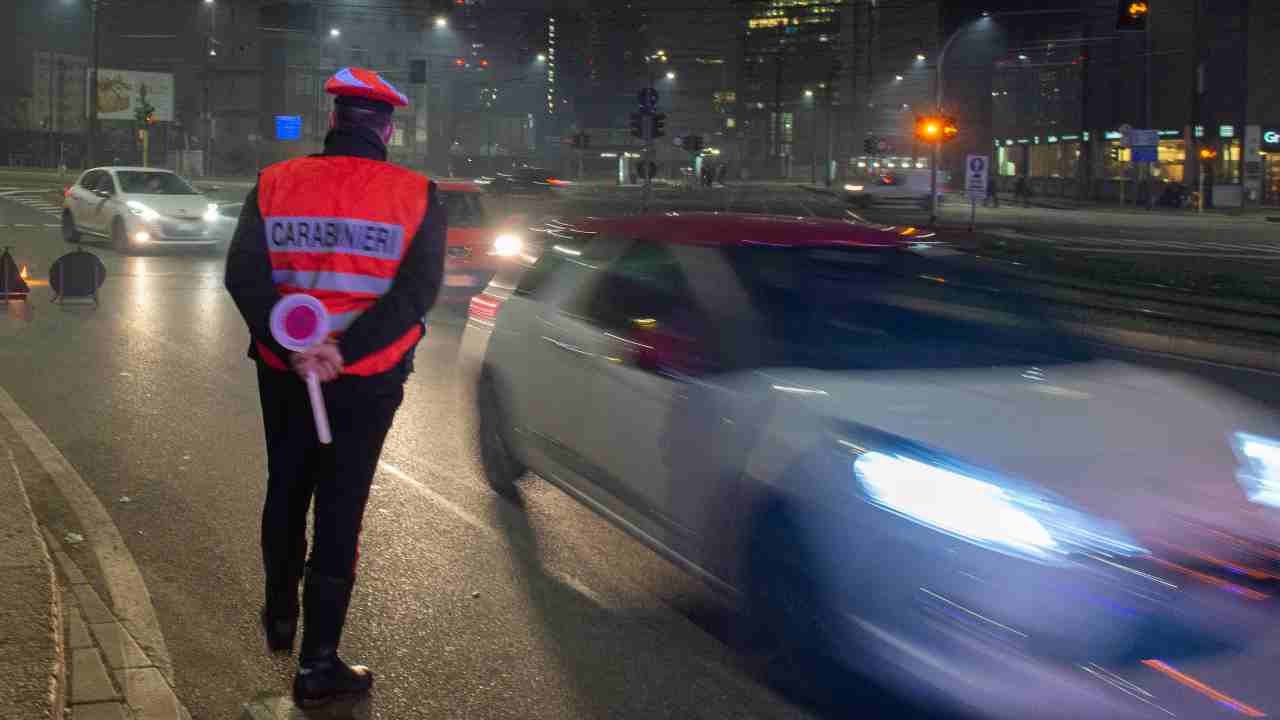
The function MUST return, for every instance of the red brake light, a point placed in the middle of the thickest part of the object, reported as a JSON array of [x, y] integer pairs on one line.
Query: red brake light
[[556, 181], [484, 308]]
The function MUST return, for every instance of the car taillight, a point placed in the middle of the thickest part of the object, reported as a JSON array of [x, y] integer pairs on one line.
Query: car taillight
[[557, 181], [484, 308]]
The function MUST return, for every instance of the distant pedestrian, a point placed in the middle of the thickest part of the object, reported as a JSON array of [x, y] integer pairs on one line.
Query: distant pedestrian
[[1022, 191], [366, 238], [993, 192]]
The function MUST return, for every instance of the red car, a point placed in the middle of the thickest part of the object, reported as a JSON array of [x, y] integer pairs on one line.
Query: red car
[[478, 244]]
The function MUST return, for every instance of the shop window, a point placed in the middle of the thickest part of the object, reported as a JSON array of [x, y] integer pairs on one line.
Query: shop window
[[1226, 169], [1173, 156]]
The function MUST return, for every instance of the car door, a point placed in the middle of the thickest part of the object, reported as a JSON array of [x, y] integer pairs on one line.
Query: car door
[[102, 202], [82, 198], [651, 349], [550, 370]]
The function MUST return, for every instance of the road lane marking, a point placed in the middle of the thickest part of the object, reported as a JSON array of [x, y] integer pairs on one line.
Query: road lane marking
[[439, 499], [1203, 689]]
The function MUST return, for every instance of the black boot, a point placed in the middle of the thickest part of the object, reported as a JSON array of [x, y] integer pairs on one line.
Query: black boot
[[322, 675], [280, 609]]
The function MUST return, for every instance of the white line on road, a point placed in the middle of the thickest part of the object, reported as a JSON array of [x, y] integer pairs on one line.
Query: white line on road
[[439, 499], [1172, 252]]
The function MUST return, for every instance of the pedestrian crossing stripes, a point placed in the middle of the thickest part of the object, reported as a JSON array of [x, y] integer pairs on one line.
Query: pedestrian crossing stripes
[[33, 198]]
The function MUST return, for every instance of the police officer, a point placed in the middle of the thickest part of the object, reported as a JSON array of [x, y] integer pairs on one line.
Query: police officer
[[367, 238]]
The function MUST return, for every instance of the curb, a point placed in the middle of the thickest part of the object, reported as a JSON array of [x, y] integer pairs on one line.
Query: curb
[[30, 604], [111, 677], [127, 591]]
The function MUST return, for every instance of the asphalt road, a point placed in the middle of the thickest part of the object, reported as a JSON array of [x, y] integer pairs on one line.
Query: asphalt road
[[466, 606]]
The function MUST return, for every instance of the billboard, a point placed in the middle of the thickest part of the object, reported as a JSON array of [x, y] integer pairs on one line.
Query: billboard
[[288, 127], [120, 93]]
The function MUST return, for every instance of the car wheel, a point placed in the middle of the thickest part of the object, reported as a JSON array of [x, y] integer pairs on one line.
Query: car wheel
[[69, 232], [785, 599], [119, 237], [501, 468]]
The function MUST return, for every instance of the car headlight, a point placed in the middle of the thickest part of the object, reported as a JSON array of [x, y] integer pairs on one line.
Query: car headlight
[[1259, 472], [991, 512], [142, 211], [853, 188], [507, 245], [211, 213]]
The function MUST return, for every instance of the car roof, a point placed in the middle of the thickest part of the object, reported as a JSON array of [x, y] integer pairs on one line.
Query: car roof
[[744, 229], [119, 168]]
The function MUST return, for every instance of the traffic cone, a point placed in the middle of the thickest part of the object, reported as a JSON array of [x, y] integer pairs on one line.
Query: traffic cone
[[12, 286]]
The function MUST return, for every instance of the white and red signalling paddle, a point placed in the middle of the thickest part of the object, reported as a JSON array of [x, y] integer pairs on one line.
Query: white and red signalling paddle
[[298, 322]]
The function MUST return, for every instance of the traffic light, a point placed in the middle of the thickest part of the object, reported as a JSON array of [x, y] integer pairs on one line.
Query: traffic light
[[658, 121], [869, 146], [936, 128], [637, 124], [1131, 15]]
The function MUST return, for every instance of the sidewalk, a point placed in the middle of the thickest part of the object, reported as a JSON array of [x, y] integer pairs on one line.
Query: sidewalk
[[31, 651], [67, 648]]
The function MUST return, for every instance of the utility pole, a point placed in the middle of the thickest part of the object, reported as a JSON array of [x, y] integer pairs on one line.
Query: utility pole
[[91, 143], [777, 114], [827, 156], [52, 142]]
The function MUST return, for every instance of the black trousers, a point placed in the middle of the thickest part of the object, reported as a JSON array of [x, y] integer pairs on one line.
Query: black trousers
[[337, 476]]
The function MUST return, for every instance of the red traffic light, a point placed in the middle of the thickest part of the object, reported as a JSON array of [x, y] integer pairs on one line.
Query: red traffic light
[[484, 63], [459, 62]]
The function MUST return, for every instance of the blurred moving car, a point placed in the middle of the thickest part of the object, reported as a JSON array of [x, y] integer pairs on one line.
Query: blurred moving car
[[892, 464], [137, 207], [897, 186], [522, 181], [477, 243]]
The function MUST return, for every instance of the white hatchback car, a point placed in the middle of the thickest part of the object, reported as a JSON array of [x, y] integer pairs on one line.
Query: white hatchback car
[[137, 207], [896, 459]]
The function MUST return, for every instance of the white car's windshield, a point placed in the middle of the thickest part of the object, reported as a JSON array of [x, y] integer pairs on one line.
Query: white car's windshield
[[141, 182]]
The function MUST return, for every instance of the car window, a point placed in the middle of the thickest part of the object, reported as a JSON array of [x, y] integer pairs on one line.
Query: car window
[[141, 182], [562, 255], [104, 183], [838, 309], [90, 180], [464, 209]]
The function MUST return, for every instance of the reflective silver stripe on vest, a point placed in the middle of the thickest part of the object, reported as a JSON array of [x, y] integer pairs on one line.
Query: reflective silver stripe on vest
[[335, 281], [339, 322], [335, 235]]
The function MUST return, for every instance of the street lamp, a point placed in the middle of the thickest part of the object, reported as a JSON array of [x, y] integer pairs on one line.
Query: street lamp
[[808, 93], [542, 57], [921, 57], [334, 32], [442, 21], [671, 75], [897, 78]]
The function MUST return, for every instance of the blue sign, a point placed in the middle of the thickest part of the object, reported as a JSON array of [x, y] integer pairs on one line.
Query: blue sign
[[288, 127], [1144, 153]]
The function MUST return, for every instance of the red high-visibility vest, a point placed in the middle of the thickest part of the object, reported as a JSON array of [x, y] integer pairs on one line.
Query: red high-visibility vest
[[337, 228]]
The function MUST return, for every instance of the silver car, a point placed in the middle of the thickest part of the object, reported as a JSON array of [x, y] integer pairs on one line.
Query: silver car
[[138, 208]]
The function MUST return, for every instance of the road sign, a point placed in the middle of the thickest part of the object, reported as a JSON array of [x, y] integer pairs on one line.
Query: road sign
[[975, 176], [1143, 153], [1143, 138], [288, 127], [647, 97]]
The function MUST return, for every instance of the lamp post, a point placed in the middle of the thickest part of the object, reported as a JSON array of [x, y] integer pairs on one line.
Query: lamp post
[[91, 142]]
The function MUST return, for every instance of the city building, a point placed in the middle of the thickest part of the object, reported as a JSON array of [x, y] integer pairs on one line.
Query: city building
[[1200, 75]]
